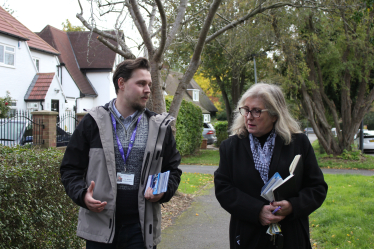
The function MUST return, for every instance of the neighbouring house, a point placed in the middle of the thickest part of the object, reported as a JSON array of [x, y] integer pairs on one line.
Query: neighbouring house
[[85, 69], [28, 68], [193, 94], [54, 70]]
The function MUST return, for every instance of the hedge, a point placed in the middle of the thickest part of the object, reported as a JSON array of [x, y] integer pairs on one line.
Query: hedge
[[35, 212], [221, 128], [189, 127]]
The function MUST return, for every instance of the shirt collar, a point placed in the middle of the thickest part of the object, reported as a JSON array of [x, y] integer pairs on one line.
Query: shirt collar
[[119, 114]]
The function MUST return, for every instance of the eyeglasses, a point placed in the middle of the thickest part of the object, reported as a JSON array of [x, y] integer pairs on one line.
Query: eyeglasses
[[256, 113]]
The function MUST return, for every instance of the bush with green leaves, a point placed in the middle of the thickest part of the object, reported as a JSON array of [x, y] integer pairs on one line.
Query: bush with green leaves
[[189, 127], [35, 212], [5, 105], [221, 128]]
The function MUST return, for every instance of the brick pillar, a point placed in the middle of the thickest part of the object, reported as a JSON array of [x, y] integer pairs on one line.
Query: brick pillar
[[49, 132], [80, 116]]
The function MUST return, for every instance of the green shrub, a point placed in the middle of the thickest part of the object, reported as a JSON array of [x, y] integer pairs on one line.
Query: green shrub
[[221, 128], [5, 105], [189, 127], [35, 212]]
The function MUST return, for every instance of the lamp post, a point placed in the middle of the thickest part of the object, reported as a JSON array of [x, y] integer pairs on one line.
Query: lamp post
[[254, 62]]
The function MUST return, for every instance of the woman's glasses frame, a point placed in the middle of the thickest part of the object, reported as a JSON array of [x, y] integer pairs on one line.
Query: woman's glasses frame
[[256, 113]]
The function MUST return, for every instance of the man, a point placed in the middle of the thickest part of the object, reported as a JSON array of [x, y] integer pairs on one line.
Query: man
[[109, 158]]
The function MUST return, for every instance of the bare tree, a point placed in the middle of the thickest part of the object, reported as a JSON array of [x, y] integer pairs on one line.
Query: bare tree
[[167, 27]]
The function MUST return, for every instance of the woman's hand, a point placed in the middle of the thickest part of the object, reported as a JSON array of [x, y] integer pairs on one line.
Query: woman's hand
[[267, 218], [286, 207]]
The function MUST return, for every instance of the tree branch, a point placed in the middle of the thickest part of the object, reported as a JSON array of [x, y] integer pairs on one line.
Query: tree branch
[[143, 28], [177, 23], [103, 33], [257, 10], [126, 55], [161, 48]]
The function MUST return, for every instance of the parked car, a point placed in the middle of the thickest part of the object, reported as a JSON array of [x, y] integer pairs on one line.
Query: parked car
[[13, 132], [209, 133], [62, 138], [308, 130], [368, 140]]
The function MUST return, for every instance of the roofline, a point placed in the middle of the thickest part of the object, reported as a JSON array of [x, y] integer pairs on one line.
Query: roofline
[[33, 100], [96, 69], [45, 51], [16, 36]]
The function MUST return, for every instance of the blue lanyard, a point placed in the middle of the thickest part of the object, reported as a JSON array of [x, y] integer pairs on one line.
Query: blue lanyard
[[131, 144]]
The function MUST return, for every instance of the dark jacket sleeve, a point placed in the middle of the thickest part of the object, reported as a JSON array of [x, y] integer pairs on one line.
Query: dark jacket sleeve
[[171, 160], [314, 188], [75, 161], [235, 201]]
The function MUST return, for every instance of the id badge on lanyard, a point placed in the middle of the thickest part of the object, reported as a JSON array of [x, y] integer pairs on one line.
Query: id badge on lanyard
[[123, 177]]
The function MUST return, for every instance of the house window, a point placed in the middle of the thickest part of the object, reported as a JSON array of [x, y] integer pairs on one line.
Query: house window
[[195, 95], [36, 62], [7, 54], [206, 118]]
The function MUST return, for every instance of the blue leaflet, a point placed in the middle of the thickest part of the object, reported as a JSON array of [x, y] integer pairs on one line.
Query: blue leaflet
[[267, 189]]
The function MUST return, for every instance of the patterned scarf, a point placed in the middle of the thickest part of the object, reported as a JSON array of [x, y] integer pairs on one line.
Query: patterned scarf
[[262, 156]]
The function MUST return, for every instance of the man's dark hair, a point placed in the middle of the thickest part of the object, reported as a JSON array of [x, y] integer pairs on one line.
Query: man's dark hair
[[125, 68]]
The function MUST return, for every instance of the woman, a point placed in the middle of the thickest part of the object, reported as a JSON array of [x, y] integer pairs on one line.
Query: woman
[[265, 141]]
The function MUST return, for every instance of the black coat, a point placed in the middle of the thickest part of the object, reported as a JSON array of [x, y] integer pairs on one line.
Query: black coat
[[238, 186]]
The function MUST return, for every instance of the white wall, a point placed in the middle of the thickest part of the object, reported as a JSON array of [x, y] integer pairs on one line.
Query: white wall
[[102, 82], [85, 103], [54, 95], [68, 85], [17, 79], [47, 62]]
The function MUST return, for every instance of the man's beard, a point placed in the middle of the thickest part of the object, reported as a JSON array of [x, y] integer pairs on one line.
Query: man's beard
[[138, 106]]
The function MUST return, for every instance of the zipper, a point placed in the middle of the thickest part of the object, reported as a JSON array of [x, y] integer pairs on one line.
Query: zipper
[[110, 225], [145, 166]]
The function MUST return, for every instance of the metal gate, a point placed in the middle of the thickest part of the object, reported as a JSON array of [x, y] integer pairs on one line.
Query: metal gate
[[66, 124], [21, 129]]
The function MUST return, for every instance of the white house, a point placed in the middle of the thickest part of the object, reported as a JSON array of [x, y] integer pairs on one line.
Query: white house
[[85, 71], [28, 68]]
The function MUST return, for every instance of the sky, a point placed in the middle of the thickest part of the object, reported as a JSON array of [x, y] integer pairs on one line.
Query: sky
[[36, 14]]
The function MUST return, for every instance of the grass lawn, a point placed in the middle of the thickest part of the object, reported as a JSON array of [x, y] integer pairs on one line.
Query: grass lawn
[[348, 160], [191, 183], [203, 157], [345, 220]]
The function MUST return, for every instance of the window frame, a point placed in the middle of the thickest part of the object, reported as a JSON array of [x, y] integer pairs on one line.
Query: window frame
[[37, 65], [5, 52], [195, 95]]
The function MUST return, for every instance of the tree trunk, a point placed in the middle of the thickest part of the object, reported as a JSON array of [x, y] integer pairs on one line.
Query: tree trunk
[[158, 101], [226, 99]]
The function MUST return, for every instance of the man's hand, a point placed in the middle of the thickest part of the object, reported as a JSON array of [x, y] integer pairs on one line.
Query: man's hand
[[92, 204], [267, 218], [286, 207], [152, 198]]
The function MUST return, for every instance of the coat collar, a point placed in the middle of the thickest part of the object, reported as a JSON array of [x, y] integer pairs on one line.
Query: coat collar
[[276, 155]]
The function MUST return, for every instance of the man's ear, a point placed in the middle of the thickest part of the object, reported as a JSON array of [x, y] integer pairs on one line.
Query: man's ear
[[121, 84]]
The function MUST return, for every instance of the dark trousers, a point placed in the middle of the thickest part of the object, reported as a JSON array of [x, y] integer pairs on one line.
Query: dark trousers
[[128, 236]]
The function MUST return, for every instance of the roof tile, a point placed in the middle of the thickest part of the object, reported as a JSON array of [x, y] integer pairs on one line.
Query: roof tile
[[39, 86], [11, 26], [60, 40]]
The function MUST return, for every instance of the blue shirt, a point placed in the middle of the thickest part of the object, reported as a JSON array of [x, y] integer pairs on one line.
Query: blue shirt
[[125, 121]]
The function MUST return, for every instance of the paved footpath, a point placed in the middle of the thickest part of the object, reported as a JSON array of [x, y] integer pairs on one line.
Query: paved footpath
[[206, 224]]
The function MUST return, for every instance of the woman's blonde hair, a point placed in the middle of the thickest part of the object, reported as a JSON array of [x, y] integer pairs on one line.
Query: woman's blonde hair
[[274, 101]]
